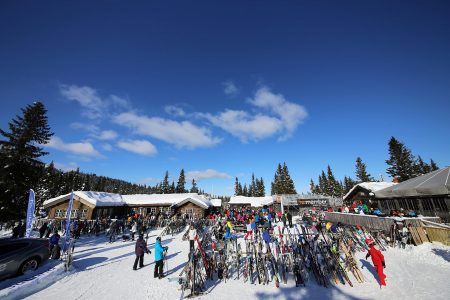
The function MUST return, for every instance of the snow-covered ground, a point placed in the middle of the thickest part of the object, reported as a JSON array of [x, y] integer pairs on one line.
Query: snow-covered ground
[[104, 271]]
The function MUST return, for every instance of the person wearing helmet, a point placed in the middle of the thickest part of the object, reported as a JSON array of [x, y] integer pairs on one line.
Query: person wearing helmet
[[377, 260]]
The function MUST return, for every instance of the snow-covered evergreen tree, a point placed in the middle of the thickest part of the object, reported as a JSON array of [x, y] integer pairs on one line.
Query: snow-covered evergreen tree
[[401, 162], [333, 185], [245, 191], [20, 152], [288, 183], [165, 187], [433, 165], [194, 188], [236, 187], [323, 184], [422, 167], [361, 172], [252, 187], [260, 188], [181, 183]]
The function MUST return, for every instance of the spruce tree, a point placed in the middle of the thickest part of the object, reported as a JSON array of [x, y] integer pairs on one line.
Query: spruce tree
[[348, 184], [236, 187], [181, 183], [165, 187], [323, 184], [333, 185], [20, 150], [194, 188], [433, 165], [260, 189], [361, 173], [422, 167], [252, 187], [312, 186], [289, 183], [401, 162], [245, 191]]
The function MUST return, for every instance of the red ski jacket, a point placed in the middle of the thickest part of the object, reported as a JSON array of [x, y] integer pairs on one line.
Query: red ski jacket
[[377, 256]]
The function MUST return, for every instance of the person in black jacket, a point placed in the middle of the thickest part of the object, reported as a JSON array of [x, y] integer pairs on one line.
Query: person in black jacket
[[43, 229], [140, 249], [289, 218]]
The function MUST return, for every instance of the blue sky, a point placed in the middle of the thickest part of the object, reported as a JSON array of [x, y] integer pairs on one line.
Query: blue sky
[[227, 88]]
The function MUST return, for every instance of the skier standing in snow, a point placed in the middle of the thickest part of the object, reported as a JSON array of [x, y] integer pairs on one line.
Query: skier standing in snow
[[378, 261], [249, 229], [140, 249], [159, 258], [192, 234], [133, 230]]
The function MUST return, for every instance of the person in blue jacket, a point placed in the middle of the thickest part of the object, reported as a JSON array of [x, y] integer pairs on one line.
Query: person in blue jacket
[[257, 218], [159, 258]]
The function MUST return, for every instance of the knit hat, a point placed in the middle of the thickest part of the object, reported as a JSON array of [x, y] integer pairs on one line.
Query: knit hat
[[369, 242]]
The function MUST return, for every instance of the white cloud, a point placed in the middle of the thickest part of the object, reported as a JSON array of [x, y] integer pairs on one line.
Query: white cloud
[[69, 167], [180, 134], [290, 114], [107, 147], [87, 127], [279, 117], [141, 147], [107, 135], [206, 174], [230, 88], [174, 111], [81, 148], [87, 97], [94, 106], [94, 131], [245, 126], [118, 102]]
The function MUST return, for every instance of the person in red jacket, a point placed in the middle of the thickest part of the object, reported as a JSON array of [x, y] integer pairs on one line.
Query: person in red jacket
[[378, 260]]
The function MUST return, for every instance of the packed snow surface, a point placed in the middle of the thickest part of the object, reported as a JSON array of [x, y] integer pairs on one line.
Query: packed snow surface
[[104, 271]]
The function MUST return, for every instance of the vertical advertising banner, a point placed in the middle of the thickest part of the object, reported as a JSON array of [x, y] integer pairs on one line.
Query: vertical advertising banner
[[67, 233], [30, 214]]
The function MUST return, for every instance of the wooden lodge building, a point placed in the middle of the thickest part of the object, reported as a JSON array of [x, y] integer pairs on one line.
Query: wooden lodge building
[[91, 205], [364, 191], [428, 195]]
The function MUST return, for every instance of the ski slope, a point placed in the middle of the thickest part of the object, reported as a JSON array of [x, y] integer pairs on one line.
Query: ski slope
[[104, 271]]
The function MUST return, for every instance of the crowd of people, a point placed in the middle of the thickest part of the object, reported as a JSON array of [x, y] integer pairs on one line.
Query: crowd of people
[[232, 220], [358, 207]]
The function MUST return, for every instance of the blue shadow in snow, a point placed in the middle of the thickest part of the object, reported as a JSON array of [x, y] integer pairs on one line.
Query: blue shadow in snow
[[368, 266], [82, 264], [445, 254]]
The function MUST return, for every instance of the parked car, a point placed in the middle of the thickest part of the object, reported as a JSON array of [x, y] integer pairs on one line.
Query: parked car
[[19, 256]]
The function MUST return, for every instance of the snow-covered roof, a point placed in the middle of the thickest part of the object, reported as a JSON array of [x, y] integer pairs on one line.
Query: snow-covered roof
[[109, 199], [370, 186], [431, 184], [166, 199], [216, 202], [252, 201], [95, 198]]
